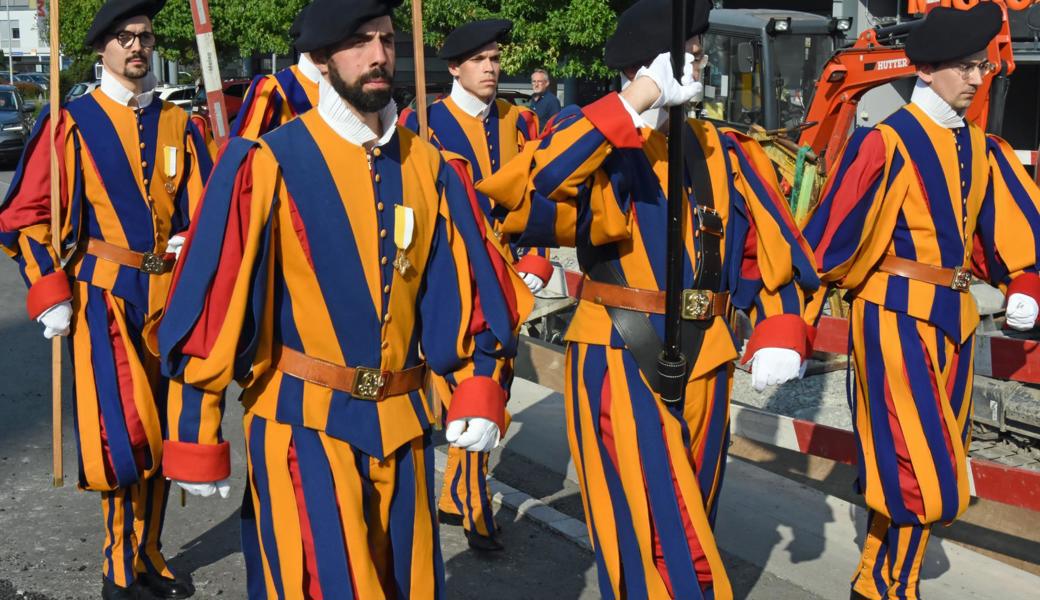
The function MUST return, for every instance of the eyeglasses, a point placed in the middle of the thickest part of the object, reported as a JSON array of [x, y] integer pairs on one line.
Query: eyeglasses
[[965, 69], [126, 38]]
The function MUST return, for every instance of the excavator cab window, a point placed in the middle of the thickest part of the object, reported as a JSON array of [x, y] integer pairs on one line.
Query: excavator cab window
[[732, 80], [799, 60]]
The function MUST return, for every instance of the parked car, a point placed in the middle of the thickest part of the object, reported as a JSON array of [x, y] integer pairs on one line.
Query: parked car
[[38, 78], [234, 91], [80, 89], [15, 123], [181, 95]]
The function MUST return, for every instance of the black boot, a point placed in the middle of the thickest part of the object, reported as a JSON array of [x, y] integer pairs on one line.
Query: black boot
[[165, 587], [111, 591], [447, 518], [483, 543]]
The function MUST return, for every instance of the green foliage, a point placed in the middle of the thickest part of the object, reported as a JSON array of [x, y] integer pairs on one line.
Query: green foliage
[[565, 37]]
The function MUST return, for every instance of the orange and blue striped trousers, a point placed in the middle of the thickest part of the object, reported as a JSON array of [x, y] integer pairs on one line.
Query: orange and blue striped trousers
[[912, 408], [649, 474], [334, 522], [134, 517]]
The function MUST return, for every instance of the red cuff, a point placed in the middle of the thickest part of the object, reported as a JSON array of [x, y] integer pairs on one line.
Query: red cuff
[[609, 116], [479, 397], [196, 463], [780, 331], [1026, 283], [535, 265], [48, 291]]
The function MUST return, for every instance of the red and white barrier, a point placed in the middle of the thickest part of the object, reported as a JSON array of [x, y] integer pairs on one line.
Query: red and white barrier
[[989, 480]]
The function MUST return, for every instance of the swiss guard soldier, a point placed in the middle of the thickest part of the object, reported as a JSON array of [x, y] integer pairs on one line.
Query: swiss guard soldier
[[132, 171], [487, 132], [916, 207], [322, 257], [275, 99], [650, 472]]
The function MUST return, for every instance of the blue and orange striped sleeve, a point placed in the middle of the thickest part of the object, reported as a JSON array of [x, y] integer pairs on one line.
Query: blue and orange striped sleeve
[[200, 165], [473, 303], [541, 186], [211, 332], [25, 214], [262, 109], [1007, 240], [776, 271], [852, 226], [534, 260]]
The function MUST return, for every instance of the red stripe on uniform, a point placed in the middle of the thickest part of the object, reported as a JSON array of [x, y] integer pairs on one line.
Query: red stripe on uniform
[[310, 560]]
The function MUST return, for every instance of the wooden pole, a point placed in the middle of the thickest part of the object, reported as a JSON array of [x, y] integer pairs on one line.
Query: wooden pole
[[218, 115], [55, 108], [419, 54]]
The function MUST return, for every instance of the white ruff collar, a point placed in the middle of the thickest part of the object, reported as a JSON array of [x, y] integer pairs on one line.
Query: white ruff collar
[[307, 68], [935, 107], [470, 104], [117, 92], [334, 110]]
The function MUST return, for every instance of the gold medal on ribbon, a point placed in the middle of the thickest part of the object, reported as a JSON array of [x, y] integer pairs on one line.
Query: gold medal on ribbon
[[404, 234]]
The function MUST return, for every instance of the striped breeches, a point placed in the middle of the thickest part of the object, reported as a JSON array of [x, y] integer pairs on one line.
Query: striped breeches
[[333, 522], [134, 518], [912, 407], [649, 475], [465, 492], [119, 394], [890, 568]]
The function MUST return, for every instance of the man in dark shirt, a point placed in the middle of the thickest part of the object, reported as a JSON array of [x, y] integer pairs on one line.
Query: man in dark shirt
[[544, 103]]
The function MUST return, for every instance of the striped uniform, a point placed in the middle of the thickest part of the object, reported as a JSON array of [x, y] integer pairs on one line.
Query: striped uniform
[[951, 198], [650, 473], [129, 178], [289, 251], [485, 144], [274, 100]]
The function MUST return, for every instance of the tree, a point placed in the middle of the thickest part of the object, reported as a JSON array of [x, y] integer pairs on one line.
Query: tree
[[565, 37]]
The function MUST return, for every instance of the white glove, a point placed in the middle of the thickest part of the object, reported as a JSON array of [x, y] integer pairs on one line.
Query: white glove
[[206, 489], [56, 319], [473, 434], [174, 246], [673, 93], [1021, 312], [534, 282], [773, 366]]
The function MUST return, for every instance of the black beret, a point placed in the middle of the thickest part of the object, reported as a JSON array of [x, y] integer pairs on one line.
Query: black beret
[[949, 34], [297, 25], [329, 22], [467, 39], [115, 12], [645, 30]]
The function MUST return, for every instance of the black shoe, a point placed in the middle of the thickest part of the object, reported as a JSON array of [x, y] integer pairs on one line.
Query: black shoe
[[165, 587], [111, 591], [483, 543], [447, 518]]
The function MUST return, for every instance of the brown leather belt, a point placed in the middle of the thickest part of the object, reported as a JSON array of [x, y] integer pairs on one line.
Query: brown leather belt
[[360, 382], [146, 262], [697, 305], [957, 279]]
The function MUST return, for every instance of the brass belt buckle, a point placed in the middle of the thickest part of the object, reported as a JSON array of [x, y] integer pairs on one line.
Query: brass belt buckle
[[368, 383], [153, 264], [961, 279], [696, 304]]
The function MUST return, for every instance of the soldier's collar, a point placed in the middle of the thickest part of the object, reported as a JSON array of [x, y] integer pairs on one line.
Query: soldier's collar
[[307, 68], [349, 126], [470, 104], [935, 107], [115, 90]]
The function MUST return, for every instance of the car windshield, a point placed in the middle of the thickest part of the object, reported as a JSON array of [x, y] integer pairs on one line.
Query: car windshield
[[7, 101]]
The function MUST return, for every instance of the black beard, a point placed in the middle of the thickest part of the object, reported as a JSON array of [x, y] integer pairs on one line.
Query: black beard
[[355, 94], [136, 72]]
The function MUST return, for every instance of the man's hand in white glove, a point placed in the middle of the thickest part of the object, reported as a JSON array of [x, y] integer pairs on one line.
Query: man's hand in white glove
[[673, 93], [773, 366], [534, 282], [473, 434], [1021, 312], [56, 320], [206, 489], [174, 246]]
